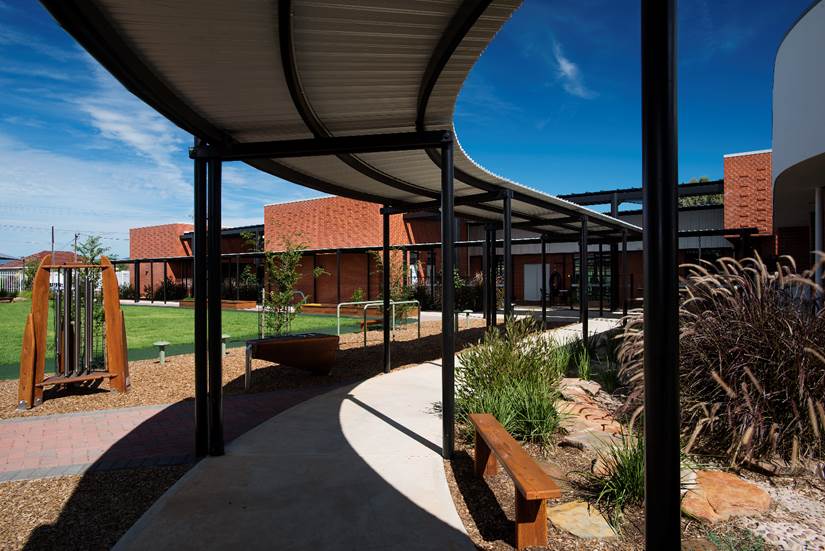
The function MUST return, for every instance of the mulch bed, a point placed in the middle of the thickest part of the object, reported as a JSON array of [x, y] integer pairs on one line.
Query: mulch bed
[[91, 511], [153, 384]]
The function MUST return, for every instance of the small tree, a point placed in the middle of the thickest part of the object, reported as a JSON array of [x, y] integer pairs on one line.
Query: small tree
[[280, 305]]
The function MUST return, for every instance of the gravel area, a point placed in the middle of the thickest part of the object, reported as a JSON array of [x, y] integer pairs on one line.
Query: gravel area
[[78, 512], [174, 381]]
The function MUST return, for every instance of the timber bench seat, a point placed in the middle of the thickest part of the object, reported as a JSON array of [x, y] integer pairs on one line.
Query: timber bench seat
[[493, 445]]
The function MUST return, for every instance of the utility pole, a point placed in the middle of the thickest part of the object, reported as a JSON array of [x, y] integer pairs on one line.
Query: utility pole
[[75, 247], [52, 244]]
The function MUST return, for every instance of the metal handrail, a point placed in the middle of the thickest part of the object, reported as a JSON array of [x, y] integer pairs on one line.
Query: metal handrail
[[357, 303]]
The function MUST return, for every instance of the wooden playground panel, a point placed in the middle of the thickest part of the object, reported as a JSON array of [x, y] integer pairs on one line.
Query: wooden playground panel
[[74, 332]]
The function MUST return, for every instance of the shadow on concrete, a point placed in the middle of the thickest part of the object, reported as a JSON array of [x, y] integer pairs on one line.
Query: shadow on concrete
[[269, 491]]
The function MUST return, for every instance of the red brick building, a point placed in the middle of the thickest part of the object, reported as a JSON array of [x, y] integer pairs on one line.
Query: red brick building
[[335, 230]]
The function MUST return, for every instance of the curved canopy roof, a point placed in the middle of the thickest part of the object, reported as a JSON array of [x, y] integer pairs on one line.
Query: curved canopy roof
[[241, 72]]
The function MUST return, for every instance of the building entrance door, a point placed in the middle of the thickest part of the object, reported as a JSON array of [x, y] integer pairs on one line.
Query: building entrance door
[[532, 282]]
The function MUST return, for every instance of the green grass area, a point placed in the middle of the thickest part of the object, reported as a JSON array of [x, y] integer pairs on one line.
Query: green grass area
[[147, 324]]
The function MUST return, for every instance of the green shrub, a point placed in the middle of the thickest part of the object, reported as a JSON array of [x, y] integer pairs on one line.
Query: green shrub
[[512, 374], [622, 480], [127, 291]]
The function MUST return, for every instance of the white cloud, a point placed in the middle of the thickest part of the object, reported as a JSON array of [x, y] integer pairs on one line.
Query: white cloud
[[120, 117], [42, 188], [570, 75]]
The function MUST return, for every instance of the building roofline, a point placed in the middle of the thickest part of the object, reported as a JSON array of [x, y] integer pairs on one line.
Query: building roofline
[[324, 196], [745, 153]]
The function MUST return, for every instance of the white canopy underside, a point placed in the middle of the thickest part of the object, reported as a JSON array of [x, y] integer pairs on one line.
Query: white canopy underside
[[217, 70]]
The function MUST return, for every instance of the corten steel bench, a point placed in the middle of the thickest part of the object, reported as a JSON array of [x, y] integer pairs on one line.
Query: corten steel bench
[[493, 444]]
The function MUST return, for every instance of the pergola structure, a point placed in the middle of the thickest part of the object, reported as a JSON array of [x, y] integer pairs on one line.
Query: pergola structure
[[356, 99]]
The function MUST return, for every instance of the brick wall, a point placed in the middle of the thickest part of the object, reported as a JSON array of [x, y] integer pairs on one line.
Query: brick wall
[[748, 191], [154, 242]]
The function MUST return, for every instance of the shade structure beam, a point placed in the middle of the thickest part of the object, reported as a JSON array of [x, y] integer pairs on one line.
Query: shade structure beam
[[508, 254], [315, 147], [447, 303], [472, 200], [661, 289]]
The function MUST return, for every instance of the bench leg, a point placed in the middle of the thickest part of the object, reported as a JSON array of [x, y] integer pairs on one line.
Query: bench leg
[[485, 461], [531, 522]]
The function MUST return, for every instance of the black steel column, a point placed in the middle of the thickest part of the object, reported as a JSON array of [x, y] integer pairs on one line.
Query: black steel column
[[404, 266], [431, 275], [314, 279], [447, 302], [213, 307], [338, 275], [367, 254], [508, 254], [543, 281], [493, 275], [584, 299], [165, 276], [385, 289], [237, 278], [819, 230], [485, 270], [625, 274], [601, 281], [661, 290], [152, 282], [137, 281], [199, 292]]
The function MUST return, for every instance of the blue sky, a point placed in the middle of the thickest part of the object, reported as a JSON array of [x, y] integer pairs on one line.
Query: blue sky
[[553, 103]]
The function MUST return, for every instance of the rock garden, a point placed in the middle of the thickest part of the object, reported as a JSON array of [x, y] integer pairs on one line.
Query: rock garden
[[752, 377]]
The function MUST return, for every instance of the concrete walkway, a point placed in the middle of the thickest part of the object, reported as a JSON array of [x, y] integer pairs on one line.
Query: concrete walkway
[[356, 468]]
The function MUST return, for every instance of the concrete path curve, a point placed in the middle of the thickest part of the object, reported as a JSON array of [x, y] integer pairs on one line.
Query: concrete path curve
[[356, 468]]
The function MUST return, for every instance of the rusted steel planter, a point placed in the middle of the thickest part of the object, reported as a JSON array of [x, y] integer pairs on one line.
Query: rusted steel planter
[[313, 352]]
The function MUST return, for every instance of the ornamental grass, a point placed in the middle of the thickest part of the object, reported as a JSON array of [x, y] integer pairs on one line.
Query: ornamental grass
[[752, 361]]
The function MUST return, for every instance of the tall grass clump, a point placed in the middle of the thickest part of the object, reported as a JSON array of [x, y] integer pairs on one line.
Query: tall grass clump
[[752, 361], [514, 375], [621, 479]]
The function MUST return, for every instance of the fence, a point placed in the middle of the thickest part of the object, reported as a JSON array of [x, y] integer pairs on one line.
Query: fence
[[11, 279]]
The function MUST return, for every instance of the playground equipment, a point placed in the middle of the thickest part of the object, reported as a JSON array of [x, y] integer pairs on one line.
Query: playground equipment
[[79, 333]]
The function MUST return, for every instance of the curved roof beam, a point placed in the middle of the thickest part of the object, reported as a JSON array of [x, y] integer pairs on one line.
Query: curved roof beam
[[312, 120]]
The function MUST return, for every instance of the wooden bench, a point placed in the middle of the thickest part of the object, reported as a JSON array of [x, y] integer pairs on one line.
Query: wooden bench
[[493, 444]]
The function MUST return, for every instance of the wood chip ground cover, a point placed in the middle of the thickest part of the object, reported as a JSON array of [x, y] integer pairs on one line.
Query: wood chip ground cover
[[90, 511], [154, 384]]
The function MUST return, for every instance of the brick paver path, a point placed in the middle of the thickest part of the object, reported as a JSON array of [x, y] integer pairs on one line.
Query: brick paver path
[[73, 443]]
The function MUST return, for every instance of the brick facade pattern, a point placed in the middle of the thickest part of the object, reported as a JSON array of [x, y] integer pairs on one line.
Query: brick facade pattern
[[749, 192], [154, 242]]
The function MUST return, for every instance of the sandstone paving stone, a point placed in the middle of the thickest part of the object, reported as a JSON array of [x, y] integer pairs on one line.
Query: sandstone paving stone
[[590, 440], [720, 495], [698, 544], [581, 520]]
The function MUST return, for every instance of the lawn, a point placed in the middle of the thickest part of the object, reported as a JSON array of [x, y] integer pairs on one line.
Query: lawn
[[147, 324]]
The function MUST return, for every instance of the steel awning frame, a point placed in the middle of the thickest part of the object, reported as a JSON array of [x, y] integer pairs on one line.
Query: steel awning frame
[[531, 209]]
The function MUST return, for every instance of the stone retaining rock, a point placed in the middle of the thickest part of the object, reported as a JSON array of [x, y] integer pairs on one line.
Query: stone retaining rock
[[719, 495]]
